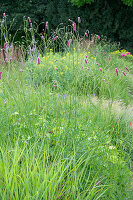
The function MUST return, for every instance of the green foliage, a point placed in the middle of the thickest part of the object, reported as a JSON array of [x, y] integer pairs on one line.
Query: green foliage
[[58, 142], [88, 75], [128, 2], [109, 18], [83, 2]]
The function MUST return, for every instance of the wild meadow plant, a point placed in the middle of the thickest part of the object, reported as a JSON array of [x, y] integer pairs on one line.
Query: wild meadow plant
[[58, 139]]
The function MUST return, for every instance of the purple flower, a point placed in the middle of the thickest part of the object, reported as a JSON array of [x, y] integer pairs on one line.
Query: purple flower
[[129, 126], [69, 41], [116, 71], [29, 19], [38, 60], [85, 61], [123, 54], [0, 74], [98, 37], [86, 34], [124, 73], [74, 26], [5, 45], [100, 69], [47, 25], [79, 20], [56, 37], [113, 124], [127, 69]]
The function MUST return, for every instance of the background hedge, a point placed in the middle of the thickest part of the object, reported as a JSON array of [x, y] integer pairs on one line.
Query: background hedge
[[104, 17]]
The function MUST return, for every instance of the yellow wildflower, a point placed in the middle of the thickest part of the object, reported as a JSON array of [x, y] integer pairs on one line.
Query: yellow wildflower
[[66, 67]]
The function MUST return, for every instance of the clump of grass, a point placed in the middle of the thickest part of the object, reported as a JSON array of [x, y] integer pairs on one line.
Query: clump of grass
[[83, 73]]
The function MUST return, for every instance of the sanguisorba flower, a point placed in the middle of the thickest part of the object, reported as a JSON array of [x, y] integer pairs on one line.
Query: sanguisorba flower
[[79, 20], [56, 37], [0, 74], [123, 54], [5, 45], [69, 41], [128, 53], [47, 25], [74, 26], [113, 126], [124, 73], [86, 35], [129, 126], [4, 14], [31, 25], [127, 69], [101, 69], [38, 61], [116, 71], [29, 19], [98, 37], [86, 61], [109, 57]]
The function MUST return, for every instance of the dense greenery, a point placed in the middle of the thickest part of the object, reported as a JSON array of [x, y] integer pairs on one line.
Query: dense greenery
[[66, 118], [109, 18], [83, 2]]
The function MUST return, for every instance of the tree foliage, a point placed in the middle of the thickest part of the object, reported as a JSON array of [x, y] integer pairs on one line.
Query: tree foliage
[[128, 2], [104, 17], [83, 2]]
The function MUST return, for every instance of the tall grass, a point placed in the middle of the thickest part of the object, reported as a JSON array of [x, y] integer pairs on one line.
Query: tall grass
[[56, 140]]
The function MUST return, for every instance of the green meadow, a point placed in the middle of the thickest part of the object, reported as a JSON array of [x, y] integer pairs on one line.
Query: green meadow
[[66, 121]]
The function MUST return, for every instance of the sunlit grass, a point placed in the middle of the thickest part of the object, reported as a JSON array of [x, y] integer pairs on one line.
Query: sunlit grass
[[60, 137]]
